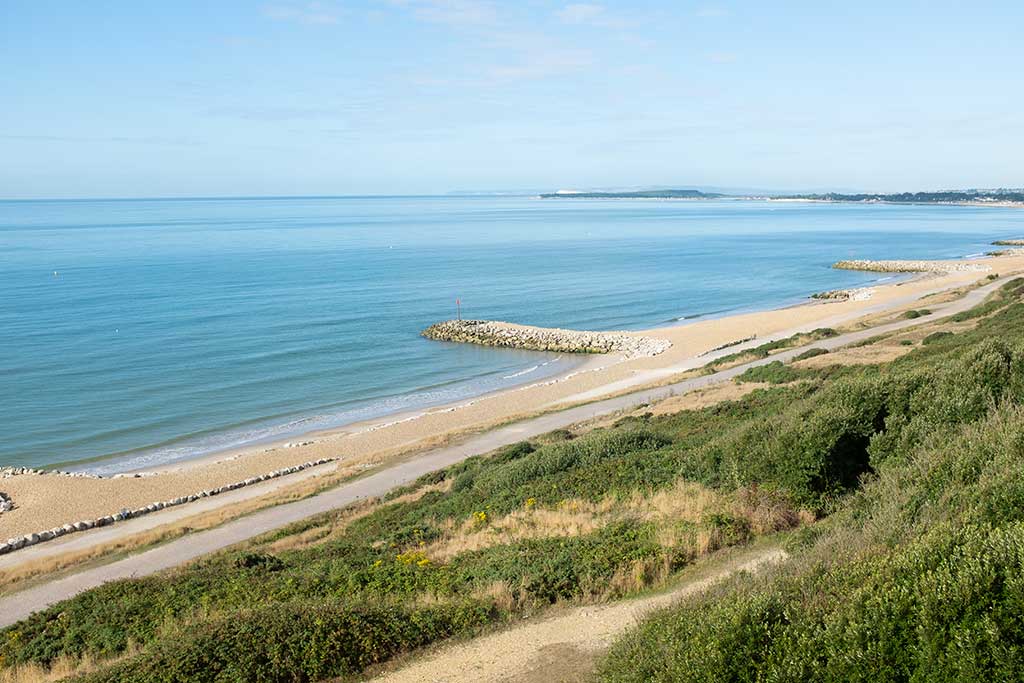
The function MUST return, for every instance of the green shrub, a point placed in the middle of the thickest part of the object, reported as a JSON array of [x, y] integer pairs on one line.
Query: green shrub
[[810, 353], [936, 337], [294, 642], [775, 372]]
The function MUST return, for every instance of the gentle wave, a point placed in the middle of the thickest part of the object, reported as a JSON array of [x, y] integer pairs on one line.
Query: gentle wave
[[531, 370], [223, 440]]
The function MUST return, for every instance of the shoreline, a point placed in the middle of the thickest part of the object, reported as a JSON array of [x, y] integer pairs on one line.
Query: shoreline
[[358, 447], [580, 362], [289, 438]]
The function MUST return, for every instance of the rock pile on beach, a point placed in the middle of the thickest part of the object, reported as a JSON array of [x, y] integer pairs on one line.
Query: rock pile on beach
[[19, 542], [5, 502], [858, 294], [1009, 243], [912, 266], [6, 472], [507, 335]]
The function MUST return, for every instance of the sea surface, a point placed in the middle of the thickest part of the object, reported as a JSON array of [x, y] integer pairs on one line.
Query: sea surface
[[157, 330]]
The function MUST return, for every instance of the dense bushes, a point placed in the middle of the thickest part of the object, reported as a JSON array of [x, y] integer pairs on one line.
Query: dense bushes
[[810, 353], [775, 372], [943, 604], [295, 642], [918, 576], [945, 608]]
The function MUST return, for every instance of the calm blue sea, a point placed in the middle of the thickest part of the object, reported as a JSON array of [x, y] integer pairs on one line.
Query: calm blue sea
[[158, 330]]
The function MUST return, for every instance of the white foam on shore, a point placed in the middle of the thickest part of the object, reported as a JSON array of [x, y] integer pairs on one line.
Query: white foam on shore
[[527, 371]]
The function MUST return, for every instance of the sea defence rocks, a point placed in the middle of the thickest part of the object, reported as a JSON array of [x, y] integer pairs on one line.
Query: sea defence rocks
[[28, 540], [6, 472], [508, 335], [5, 502], [1009, 243], [858, 294], [913, 266]]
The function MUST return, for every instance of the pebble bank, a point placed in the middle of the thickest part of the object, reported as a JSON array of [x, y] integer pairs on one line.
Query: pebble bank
[[508, 335]]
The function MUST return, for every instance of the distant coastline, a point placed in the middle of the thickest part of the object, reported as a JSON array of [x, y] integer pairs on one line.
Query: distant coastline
[[998, 197], [639, 194]]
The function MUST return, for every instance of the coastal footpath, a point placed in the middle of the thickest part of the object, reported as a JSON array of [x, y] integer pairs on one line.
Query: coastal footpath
[[508, 335]]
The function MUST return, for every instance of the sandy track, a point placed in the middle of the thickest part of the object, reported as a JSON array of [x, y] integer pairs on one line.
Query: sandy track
[[562, 648]]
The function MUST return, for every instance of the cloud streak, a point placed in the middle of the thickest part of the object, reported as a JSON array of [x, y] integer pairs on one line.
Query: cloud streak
[[309, 13], [457, 13]]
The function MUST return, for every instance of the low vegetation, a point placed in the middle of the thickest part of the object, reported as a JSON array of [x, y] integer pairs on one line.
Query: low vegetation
[[885, 456], [916, 574], [766, 349], [810, 353]]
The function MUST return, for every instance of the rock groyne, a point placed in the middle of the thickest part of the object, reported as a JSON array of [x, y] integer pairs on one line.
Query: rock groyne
[[912, 266], [1009, 243], [508, 335], [28, 540], [6, 472]]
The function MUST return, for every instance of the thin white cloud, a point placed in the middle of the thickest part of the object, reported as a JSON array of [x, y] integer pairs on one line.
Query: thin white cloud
[[712, 11], [722, 57], [542, 65], [592, 14], [311, 13], [580, 13], [452, 12]]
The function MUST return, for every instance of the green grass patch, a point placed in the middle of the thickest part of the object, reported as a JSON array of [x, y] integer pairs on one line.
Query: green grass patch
[[810, 353]]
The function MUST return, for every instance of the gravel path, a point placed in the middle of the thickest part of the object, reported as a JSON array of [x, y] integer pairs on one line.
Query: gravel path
[[17, 606]]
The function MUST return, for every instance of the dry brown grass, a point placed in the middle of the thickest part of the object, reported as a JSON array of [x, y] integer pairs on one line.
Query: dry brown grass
[[61, 668], [336, 526], [873, 354], [702, 398], [685, 502]]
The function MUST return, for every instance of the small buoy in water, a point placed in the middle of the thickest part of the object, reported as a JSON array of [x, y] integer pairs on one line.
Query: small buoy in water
[[55, 273]]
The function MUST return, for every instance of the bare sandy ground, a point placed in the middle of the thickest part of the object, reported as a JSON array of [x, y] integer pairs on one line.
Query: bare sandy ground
[[45, 501]]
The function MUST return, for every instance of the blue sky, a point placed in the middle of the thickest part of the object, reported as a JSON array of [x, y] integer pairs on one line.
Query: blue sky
[[147, 98]]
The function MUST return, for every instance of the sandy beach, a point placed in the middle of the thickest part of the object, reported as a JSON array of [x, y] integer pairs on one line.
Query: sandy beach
[[43, 501]]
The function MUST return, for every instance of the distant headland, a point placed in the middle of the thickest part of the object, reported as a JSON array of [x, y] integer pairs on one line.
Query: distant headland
[[635, 194], [992, 197]]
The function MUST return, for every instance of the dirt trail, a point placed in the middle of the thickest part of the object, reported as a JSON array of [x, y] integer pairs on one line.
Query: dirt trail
[[562, 648]]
